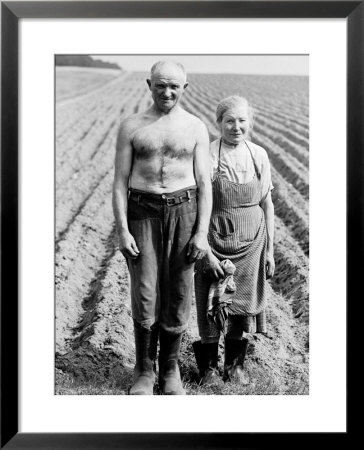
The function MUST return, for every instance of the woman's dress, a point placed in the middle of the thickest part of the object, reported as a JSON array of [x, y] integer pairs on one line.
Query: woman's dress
[[238, 233]]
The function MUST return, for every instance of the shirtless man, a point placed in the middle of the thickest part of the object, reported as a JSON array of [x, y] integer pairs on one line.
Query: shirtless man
[[162, 205]]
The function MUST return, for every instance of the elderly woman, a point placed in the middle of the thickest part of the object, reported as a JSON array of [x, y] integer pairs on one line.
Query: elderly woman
[[230, 283]]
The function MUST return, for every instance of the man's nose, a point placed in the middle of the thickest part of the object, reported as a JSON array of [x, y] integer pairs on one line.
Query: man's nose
[[235, 125], [167, 92]]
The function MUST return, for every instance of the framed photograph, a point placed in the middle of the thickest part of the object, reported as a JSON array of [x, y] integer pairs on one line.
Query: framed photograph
[[71, 72]]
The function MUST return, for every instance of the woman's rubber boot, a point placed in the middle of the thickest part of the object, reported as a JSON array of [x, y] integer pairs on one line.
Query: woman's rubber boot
[[146, 341], [235, 351], [206, 357], [169, 376]]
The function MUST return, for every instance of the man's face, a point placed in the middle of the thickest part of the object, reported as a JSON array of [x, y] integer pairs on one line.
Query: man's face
[[167, 86]]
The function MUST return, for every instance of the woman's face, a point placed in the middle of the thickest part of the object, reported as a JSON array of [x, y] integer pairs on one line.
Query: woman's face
[[235, 125]]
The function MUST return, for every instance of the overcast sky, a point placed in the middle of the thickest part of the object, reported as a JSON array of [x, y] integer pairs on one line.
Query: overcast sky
[[244, 64]]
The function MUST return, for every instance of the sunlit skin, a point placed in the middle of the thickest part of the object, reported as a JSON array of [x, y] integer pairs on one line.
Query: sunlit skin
[[167, 86], [162, 137], [235, 125]]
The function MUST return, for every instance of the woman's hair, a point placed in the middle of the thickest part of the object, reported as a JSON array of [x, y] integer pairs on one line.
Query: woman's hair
[[232, 102]]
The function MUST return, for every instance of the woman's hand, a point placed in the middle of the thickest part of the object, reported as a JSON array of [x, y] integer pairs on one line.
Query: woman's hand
[[212, 267], [268, 208], [270, 265]]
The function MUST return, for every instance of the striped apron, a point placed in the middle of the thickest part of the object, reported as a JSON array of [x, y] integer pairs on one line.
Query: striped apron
[[238, 233]]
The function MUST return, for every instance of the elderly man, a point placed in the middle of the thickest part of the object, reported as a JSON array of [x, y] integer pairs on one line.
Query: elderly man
[[162, 205]]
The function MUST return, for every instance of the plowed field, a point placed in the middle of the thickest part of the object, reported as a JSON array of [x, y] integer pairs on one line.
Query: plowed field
[[94, 333]]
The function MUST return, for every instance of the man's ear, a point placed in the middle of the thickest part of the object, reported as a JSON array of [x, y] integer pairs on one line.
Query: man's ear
[[149, 82], [185, 85]]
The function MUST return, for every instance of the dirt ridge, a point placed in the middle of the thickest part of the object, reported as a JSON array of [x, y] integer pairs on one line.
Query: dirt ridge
[[94, 329]]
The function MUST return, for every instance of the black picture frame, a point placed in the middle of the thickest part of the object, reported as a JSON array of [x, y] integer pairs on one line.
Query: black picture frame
[[11, 13]]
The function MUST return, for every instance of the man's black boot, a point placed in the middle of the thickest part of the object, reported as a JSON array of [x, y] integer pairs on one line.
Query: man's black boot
[[146, 348], [169, 376]]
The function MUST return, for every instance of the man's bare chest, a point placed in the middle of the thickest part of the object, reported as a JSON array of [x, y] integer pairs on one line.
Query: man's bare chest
[[174, 141]]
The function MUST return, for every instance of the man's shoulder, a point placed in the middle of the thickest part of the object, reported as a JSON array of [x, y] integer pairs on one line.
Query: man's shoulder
[[194, 121], [132, 122], [189, 116]]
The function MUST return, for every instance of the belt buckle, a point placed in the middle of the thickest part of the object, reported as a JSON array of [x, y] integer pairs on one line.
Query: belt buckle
[[170, 201]]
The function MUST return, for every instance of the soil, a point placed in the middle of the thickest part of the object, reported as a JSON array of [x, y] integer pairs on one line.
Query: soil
[[94, 331]]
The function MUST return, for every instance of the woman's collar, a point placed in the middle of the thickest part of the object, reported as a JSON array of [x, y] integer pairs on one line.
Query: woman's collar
[[232, 146]]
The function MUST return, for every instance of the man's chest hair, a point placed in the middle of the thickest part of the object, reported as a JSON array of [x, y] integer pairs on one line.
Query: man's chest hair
[[153, 141]]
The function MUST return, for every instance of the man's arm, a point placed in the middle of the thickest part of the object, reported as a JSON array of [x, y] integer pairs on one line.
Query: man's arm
[[198, 244], [123, 165]]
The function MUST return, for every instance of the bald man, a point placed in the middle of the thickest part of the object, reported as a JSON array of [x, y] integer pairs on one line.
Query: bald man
[[162, 205]]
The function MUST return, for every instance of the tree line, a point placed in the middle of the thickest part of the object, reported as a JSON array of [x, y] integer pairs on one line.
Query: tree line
[[83, 61]]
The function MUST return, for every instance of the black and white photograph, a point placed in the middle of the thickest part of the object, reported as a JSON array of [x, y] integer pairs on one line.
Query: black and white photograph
[[181, 197], [181, 224]]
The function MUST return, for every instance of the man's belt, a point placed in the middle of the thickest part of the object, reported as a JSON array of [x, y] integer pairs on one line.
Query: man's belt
[[171, 199]]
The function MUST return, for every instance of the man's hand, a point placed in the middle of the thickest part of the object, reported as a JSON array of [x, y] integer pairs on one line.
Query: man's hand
[[127, 245], [212, 267], [270, 265], [197, 247]]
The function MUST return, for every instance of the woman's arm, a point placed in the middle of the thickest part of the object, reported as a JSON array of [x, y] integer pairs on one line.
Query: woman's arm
[[268, 208]]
